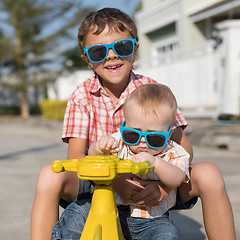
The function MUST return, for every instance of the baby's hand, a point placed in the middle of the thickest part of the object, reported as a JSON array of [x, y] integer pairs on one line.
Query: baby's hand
[[108, 144], [144, 156]]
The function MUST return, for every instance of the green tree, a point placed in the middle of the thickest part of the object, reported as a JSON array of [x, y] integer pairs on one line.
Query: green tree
[[73, 59], [29, 31]]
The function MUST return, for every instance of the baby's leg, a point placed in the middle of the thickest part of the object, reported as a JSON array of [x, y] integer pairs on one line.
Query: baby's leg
[[51, 187], [160, 228], [208, 184]]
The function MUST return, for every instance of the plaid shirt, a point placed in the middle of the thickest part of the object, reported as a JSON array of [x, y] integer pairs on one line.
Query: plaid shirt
[[172, 153], [91, 112]]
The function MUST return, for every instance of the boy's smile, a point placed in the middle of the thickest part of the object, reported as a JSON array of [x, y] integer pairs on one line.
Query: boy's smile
[[114, 71], [114, 67]]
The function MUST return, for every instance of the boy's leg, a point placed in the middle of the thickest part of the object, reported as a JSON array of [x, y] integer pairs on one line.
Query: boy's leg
[[50, 188], [208, 184], [161, 228]]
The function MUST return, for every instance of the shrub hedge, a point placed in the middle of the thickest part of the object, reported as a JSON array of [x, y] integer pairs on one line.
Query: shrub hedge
[[53, 109], [9, 111]]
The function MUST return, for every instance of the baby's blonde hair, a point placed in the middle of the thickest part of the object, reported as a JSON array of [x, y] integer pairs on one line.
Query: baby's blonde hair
[[151, 97]]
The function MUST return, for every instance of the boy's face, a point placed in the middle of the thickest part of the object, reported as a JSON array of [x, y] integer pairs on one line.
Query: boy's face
[[114, 70], [137, 119]]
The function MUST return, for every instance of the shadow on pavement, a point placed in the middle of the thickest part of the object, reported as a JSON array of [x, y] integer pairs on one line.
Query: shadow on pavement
[[12, 155]]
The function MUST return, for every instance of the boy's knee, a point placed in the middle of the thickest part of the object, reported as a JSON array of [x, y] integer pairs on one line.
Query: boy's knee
[[207, 177], [62, 185], [48, 180]]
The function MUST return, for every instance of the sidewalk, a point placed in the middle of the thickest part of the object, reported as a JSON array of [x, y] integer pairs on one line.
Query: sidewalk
[[27, 145], [214, 134]]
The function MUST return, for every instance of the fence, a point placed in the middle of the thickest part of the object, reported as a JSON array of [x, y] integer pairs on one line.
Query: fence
[[192, 76]]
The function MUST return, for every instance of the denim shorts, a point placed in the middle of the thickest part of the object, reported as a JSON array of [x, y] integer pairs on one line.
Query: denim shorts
[[72, 220], [160, 228], [71, 223]]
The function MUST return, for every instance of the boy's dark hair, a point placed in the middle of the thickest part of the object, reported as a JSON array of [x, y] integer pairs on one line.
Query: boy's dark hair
[[115, 19]]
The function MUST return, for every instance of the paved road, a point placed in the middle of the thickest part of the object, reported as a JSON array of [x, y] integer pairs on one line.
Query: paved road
[[25, 146]]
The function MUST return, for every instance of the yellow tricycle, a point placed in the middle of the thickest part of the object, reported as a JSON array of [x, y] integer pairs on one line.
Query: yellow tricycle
[[101, 223]]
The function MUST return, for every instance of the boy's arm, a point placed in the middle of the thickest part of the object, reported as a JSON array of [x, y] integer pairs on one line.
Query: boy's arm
[[76, 148], [179, 137]]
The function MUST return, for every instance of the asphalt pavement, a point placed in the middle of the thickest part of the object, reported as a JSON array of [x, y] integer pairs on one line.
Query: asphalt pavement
[[25, 146]]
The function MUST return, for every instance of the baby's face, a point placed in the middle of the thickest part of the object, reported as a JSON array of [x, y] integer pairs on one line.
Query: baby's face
[[137, 119]]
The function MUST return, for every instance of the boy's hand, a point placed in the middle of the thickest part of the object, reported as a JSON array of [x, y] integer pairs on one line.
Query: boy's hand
[[126, 187], [153, 194], [143, 193], [108, 144], [144, 156]]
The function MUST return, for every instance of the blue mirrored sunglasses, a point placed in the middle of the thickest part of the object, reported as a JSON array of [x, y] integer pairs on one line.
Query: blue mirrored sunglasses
[[155, 140], [122, 48]]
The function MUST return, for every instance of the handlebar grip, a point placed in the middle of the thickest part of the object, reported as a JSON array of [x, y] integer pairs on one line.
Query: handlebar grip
[[57, 166], [65, 165], [141, 168]]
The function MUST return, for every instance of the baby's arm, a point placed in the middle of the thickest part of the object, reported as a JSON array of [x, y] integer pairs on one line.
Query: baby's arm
[[105, 145], [169, 174]]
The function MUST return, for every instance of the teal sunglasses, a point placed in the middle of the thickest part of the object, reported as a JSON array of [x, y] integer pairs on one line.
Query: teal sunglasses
[[156, 140], [122, 48]]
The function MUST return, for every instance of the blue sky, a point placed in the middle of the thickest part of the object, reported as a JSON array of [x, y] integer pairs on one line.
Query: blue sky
[[127, 6]]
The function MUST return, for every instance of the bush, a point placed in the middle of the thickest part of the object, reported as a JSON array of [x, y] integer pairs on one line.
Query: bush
[[53, 109], [16, 110], [9, 111]]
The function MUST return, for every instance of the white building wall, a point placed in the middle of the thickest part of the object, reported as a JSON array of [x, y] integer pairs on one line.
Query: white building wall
[[229, 67], [192, 79], [66, 84]]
